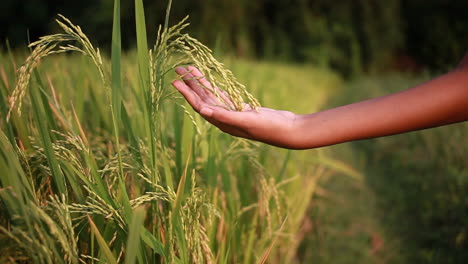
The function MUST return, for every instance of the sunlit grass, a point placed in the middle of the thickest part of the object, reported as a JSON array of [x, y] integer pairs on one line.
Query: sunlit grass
[[108, 164]]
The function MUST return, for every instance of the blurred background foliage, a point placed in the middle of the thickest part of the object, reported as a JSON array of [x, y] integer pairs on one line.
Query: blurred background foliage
[[416, 184], [412, 205], [348, 36]]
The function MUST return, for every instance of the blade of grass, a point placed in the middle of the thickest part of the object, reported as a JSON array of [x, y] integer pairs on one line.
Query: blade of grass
[[152, 242], [340, 166], [182, 244], [116, 55], [16, 123], [4, 106], [167, 172], [135, 231], [149, 125], [116, 103], [134, 147], [284, 166], [45, 102], [268, 251], [99, 187], [168, 12], [175, 219], [180, 191], [106, 251], [211, 173], [177, 125], [250, 239], [144, 82], [188, 132], [142, 44], [12, 174], [75, 185], [46, 137]]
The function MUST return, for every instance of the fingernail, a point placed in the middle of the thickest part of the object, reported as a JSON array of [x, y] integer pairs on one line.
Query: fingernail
[[206, 112]]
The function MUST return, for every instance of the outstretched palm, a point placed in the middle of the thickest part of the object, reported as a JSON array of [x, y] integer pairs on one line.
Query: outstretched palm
[[264, 124]]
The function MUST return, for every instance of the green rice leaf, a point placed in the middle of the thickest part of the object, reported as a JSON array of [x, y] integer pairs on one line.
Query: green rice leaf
[[106, 251], [152, 242], [142, 46], [42, 118], [116, 61], [135, 231]]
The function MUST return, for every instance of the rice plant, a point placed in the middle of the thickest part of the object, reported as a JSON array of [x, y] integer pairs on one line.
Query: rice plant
[[103, 163]]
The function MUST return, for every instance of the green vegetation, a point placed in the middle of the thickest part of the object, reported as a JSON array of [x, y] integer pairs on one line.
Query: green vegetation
[[419, 181], [348, 36], [104, 162], [107, 163]]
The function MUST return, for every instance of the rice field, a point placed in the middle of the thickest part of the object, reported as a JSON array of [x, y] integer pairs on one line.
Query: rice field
[[103, 162]]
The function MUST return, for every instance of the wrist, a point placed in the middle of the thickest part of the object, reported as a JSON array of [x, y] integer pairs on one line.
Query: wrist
[[309, 132], [296, 135]]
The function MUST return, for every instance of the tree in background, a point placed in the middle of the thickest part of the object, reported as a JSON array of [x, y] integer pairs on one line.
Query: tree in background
[[347, 36]]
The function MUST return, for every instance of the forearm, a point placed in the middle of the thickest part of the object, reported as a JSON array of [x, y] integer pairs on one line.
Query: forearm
[[441, 101]]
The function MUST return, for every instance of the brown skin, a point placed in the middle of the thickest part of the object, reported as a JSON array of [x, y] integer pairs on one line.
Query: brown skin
[[441, 101]]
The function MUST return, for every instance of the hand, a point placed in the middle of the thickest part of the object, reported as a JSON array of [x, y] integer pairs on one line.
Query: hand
[[264, 124], [438, 102]]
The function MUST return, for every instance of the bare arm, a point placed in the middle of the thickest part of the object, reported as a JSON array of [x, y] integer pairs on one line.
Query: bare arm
[[441, 101]]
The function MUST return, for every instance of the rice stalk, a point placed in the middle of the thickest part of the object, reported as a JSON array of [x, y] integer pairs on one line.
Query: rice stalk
[[172, 41], [102, 243], [54, 44], [135, 230], [50, 237], [195, 224]]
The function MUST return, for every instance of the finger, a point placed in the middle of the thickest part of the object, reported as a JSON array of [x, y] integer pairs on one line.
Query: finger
[[192, 98], [197, 105], [193, 83], [232, 130], [189, 79], [201, 78], [225, 97], [231, 118]]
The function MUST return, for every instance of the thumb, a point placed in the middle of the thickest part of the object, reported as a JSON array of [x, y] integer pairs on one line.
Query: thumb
[[228, 117], [206, 112]]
